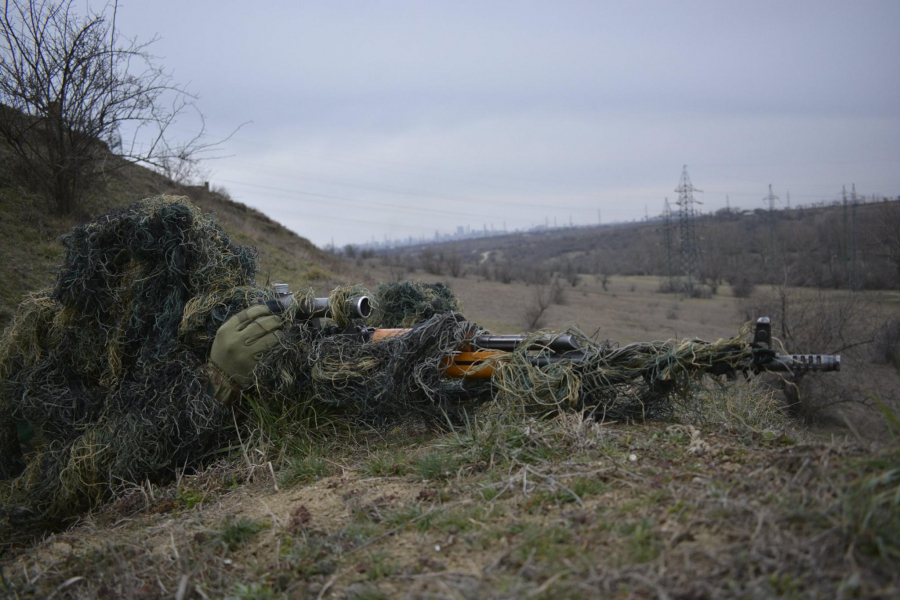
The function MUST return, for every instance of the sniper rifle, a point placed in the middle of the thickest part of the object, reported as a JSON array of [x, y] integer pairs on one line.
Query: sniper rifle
[[474, 360]]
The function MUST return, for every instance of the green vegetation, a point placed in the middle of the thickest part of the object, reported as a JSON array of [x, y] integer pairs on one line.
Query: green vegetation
[[586, 515], [237, 532]]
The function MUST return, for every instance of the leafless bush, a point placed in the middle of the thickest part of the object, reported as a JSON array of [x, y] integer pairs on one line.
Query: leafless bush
[[817, 322], [544, 295], [454, 264], [742, 287], [534, 275], [570, 272], [432, 261], [667, 286], [603, 278], [701, 291], [503, 272], [395, 266], [72, 88], [672, 311], [886, 348]]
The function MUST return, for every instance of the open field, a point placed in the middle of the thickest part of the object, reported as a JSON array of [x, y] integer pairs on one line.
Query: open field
[[730, 498], [630, 310]]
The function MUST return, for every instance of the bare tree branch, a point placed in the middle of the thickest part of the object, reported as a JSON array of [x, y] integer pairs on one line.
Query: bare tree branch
[[73, 89]]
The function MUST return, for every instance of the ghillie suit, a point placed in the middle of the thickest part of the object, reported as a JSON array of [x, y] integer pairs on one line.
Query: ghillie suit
[[108, 365], [406, 303], [105, 364]]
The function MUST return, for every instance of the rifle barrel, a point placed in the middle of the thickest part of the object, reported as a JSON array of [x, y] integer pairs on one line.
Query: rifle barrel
[[804, 362], [559, 344]]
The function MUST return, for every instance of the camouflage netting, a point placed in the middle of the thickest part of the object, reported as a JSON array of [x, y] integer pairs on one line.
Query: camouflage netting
[[406, 303], [106, 365]]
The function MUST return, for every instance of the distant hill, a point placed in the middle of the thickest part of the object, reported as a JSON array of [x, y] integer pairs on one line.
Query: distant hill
[[821, 246], [30, 251]]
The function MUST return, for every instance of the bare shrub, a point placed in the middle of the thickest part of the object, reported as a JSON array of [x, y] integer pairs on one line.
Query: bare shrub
[[544, 295], [395, 266], [742, 287], [432, 261], [454, 264], [701, 291], [667, 287], [72, 89], [534, 275], [886, 348], [603, 278], [503, 272], [672, 311], [570, 272], [817, 322]]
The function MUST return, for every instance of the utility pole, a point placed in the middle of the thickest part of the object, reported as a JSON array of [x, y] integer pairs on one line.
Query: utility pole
[[690, 259]]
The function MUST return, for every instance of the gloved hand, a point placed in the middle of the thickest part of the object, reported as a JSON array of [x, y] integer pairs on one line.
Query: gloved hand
[[239, 345]]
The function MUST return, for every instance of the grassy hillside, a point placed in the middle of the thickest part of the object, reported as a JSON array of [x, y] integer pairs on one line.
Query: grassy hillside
[[743, 506], [727, 497], [30, 250]]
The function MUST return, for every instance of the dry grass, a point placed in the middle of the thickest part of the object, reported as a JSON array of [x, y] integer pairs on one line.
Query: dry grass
[[504, 508]]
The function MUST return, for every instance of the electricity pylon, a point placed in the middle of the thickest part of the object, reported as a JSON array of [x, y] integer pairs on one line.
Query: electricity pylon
[[690, 252]]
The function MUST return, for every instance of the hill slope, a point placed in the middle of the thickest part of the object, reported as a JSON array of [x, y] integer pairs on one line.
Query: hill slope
[[727, 499], [30, 250], [821, 246]]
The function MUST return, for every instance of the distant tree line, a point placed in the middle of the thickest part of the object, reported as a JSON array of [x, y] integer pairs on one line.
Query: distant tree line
[[839, 247]]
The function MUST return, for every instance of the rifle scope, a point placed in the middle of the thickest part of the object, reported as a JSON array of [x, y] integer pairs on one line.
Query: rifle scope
[[360, 307]]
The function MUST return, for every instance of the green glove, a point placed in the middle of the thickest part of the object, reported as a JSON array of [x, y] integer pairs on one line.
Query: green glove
[[239, 345]]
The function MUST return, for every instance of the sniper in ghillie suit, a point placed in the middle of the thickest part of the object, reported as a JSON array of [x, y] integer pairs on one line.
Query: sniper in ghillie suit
[[156, 346]]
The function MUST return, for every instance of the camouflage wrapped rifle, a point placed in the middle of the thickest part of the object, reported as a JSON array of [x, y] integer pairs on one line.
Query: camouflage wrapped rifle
[[478, 356]]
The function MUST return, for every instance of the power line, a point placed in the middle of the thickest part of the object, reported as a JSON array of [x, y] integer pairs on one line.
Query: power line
[[407, 192]]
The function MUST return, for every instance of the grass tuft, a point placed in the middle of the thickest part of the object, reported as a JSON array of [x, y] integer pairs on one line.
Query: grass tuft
[[237, 532]]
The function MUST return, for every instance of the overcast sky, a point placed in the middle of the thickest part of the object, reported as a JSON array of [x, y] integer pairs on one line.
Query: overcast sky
[[371, 118]]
